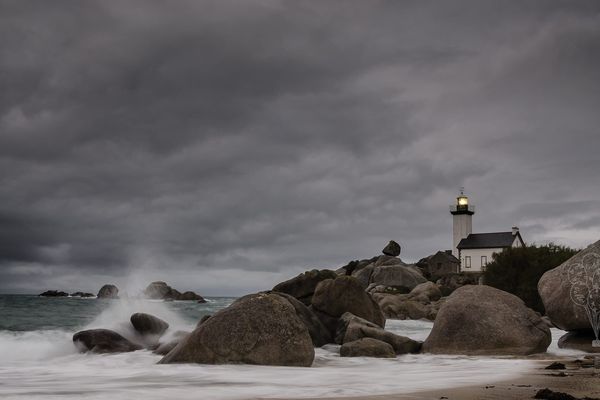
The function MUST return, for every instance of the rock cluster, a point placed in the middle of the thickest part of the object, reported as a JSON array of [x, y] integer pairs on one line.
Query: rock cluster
[[148, 331], [423, 302], [54, 293], [347, 307], [384, 271], [276, 328], [352, 328], [160, 290], [566, 289], [303, 286]]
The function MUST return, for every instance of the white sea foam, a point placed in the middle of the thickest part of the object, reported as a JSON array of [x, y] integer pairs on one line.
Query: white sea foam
[[116, 317], [44, 364]]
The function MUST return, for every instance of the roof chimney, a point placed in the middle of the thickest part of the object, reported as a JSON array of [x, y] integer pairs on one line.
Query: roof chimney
[[515, 230]]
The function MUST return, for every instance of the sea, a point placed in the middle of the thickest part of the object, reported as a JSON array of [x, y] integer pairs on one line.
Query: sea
[[39, 361]]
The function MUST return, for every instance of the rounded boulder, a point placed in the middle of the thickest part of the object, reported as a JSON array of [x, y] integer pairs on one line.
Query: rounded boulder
[[147, 324], [482, 320], [108, 292], [566, 289], [334, 297], [103, 341], [367, 347], [261, 329]]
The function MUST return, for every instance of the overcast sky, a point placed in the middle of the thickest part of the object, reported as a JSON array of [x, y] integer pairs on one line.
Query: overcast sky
[[225, 146]]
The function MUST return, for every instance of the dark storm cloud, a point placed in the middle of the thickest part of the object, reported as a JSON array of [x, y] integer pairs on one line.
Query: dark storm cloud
[[226, 145]]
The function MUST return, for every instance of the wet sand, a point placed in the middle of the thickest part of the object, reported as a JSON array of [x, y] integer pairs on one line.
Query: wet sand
[[579, 379]]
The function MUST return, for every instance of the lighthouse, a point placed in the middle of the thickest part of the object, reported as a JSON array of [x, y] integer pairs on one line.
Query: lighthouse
[[462, 220]]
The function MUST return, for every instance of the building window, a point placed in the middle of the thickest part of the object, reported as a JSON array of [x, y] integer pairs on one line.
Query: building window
[[483, 261], [467, 261]]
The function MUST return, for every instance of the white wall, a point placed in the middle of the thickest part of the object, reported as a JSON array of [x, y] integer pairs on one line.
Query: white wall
[[462, 226], [476, 255]]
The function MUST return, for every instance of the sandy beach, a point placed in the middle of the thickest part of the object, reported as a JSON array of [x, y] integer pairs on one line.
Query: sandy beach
[[579, 379]]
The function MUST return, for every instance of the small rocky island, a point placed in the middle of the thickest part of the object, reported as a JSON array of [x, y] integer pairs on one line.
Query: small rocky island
[[155, 290]]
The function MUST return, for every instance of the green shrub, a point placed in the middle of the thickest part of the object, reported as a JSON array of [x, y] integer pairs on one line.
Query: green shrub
[[518, 270]]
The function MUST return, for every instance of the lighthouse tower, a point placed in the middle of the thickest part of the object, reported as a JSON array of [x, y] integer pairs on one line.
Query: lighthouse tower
[[462, 220]]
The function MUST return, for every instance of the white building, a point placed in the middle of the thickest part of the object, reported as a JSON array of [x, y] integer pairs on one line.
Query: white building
[[475, 250]]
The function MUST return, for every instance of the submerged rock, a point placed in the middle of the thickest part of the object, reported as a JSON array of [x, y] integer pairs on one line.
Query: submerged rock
[[261, 329], [557, 286], [103, 341], [579, 340], [108, 292], [367, 347], [303, 286], [147, 324], [481, 320]]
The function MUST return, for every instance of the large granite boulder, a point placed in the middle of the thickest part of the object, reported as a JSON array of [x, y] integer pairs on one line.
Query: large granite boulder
[[402, 307], [351, 328], [398, 276], [579, 340], [426, 292], [367, 347], [564, 289], [108, 292], [334, 297], [157, 290], [147, 324], [482, 320], [103, 341], [392, 249], [303, 286], [363, 275], [261, 329]]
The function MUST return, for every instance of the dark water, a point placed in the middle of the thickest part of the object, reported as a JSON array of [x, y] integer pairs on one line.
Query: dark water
[[32, 313]]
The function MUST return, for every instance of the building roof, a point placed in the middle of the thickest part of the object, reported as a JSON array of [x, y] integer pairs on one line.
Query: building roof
[[488, 240], [443, 254]]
